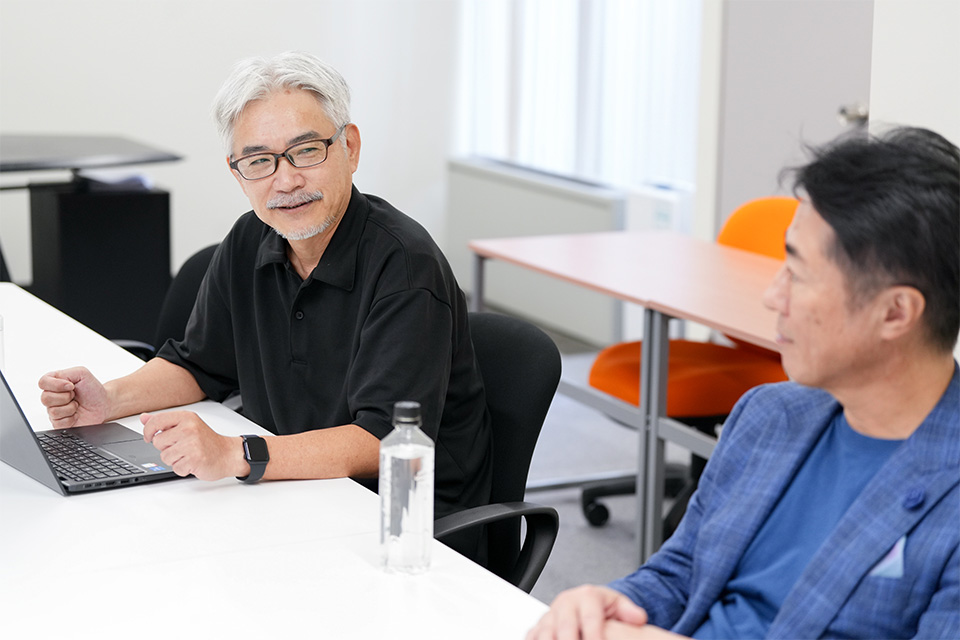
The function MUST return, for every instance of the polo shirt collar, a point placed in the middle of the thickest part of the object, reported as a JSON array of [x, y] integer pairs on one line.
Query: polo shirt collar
[[338, 264]]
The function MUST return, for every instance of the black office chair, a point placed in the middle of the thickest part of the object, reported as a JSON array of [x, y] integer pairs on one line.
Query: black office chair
[[520, 366], [4, 273], [177, 305]]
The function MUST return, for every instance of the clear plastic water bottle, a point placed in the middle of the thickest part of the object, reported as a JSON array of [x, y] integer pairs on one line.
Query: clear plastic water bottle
[[406, 493]]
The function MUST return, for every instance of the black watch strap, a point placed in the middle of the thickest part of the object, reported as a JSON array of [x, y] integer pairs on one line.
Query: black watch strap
[[257, 456]]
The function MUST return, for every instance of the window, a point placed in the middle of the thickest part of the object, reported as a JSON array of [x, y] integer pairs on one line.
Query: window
[[603, 90]]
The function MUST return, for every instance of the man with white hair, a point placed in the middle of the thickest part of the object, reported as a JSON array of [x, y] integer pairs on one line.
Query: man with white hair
[[322, 307]]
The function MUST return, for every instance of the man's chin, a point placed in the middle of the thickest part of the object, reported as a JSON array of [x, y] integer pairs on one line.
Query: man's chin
[[301, 234], [305, 232], [797, 373]]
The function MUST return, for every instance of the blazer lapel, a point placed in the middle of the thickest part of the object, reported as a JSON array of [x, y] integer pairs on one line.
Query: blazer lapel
[[909, 484], [775, 458]]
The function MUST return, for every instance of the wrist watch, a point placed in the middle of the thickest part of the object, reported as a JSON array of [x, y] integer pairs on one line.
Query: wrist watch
[[256, 454]]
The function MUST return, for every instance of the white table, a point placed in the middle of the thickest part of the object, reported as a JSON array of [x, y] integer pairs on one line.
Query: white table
[[197, 559]]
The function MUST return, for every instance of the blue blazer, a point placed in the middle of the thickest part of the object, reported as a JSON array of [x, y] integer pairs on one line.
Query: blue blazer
[[849, 589]]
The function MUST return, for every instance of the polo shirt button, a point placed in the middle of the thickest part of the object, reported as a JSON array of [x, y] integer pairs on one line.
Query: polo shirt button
[[299, 315]]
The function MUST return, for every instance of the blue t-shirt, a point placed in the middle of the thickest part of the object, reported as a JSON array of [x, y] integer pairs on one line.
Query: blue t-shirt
[[836, 471]]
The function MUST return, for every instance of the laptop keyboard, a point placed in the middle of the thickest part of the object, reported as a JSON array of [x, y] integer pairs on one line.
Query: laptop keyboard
[[76, 459]]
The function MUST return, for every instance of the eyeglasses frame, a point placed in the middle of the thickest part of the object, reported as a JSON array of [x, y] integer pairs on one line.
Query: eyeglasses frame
[[286, 154]]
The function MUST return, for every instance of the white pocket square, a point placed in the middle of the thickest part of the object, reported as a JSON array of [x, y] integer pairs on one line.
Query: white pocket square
[[891, 565]]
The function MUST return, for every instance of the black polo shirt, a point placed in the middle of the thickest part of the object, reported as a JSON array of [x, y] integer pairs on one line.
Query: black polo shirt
[[380, 319]]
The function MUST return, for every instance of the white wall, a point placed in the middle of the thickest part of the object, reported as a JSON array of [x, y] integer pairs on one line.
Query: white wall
[[774, 76], [149, 69], [708, 121], [916, 67]]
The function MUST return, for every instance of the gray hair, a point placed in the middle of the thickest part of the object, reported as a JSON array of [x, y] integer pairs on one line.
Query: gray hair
[[256, 78]]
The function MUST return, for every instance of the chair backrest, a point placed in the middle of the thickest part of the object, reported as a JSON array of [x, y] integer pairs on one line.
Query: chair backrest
[[520, 366], [181, 296], [760, 226], [4, 273]]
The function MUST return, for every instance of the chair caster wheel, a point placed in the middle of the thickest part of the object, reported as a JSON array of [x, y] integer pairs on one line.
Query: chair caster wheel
[[596, 514]]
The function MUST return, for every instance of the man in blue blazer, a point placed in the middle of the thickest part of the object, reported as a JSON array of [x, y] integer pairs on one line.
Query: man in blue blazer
[[831, 506]]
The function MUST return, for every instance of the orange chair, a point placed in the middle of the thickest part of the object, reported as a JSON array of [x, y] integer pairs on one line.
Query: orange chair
[[704, 379]]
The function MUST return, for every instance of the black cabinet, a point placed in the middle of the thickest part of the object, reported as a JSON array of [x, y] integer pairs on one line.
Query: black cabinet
[[102, 256]]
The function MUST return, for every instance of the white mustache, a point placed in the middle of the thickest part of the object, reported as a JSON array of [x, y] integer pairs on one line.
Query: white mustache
[[293, 199]]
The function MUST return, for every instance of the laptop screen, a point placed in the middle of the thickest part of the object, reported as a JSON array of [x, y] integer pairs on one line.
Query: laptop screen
[[18, 444]]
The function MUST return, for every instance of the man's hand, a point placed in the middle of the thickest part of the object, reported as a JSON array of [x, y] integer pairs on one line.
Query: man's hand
[[619, 631], [583, 612], [189, 446], [73, 398]]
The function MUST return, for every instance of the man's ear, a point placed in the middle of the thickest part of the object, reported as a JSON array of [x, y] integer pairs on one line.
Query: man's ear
[[902, 309], [352, 135]]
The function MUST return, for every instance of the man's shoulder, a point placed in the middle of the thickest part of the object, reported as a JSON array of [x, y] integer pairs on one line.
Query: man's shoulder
[[771, 420], [247, 224], [242, 248], [390, 235], [387, 221], [246, 235], [766, 406], [790, 396]]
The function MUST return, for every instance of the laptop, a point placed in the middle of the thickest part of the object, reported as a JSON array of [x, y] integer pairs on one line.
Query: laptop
[[103, 456]]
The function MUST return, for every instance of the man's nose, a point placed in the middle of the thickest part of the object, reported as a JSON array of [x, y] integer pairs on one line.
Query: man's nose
[[774, 298], [287, 176]]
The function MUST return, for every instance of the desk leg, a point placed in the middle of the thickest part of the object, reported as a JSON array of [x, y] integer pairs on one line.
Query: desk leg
[[656, 349], [643, 438], [476, 300]]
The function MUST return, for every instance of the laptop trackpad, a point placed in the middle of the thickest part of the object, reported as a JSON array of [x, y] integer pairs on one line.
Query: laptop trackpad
[[101, 434], [137, 452]]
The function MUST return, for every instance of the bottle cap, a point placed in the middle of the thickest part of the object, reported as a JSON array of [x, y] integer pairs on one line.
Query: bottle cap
[[406, 411]]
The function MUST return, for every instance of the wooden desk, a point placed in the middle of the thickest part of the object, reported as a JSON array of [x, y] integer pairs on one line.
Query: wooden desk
[[670, 276], [210, 559]]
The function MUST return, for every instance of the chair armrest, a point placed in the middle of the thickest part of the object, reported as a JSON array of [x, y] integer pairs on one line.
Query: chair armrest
[[234, 402], [488, 513], [142, 350], [543, 523]]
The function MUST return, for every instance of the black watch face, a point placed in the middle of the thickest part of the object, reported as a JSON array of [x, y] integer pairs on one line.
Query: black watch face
[[256, 449]]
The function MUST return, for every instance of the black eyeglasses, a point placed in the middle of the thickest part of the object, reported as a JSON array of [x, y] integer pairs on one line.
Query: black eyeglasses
[[301, 155]]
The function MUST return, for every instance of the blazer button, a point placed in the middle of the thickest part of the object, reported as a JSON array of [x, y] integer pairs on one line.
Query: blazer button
[[298, 315], [914, 498]]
